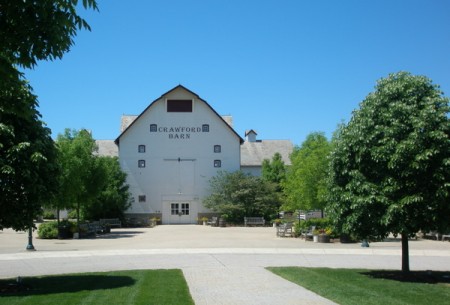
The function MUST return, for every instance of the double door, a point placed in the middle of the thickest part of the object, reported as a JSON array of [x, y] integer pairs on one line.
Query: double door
[[180, 213]]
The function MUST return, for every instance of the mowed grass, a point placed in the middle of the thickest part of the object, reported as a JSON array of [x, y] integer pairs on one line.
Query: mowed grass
[[118, 287], [358, 287]]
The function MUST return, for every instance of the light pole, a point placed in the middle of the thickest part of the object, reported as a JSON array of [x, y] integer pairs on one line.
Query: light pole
[[30, 246]]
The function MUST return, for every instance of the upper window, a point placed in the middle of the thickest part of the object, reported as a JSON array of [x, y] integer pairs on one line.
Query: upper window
[[179, 105], [217, 148], [217, 163], [153, 128], [141, 163], [141, 198], [205, 128], [141, 148]]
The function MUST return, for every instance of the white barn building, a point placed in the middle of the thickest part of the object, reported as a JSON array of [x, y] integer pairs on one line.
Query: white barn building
[[174, 147]]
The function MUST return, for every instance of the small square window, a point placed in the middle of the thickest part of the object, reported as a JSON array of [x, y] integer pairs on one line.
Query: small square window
[[141, 148], [205, 128], [142, 198], [153, 128], [217, 148], [141, 163], [217, 163]]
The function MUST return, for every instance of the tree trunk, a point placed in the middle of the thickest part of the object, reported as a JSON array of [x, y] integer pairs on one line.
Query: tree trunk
[[405, 253]]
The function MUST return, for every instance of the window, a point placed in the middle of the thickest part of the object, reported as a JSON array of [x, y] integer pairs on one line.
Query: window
[[185, 208], [141, 163], [174, 208], [205, 128], [217, 163], [217, 148], [179, 105], [141, 148], [153, 128], [141, 198]]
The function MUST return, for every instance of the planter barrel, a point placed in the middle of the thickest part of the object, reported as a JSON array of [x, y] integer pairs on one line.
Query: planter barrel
[[64, 232], [324, 238]]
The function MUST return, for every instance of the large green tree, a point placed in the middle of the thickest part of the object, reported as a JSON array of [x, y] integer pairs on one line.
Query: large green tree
[[238, 195], [29, 31], [81, 178], [390, 166], [113, 198], [305, 184], [28, 164]]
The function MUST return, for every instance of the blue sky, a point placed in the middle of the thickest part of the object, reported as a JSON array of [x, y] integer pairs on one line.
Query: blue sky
[[283, 68]]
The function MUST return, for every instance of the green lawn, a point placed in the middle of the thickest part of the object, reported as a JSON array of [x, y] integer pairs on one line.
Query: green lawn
[[118, 287], [351, 286]]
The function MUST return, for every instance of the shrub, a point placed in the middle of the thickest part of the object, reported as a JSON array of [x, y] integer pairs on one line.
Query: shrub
[[48, 230]]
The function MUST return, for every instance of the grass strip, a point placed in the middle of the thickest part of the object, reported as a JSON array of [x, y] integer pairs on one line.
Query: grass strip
[[359, 286], [134, 287]]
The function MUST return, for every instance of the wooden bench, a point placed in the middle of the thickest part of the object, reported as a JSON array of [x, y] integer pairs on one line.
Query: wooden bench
[[112, 222], [445, 236], [254, 221], [213, 222], [285, 229]]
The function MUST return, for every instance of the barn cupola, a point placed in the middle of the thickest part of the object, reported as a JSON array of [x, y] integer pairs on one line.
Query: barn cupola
[[250, 135]]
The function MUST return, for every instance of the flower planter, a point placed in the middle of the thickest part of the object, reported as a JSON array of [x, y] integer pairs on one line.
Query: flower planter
[[323, 238]]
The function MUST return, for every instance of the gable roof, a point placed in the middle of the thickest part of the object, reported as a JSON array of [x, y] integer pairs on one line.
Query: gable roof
[[171, 90]]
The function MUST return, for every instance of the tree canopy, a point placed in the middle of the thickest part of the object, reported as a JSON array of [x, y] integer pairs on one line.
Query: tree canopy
[[274, 170], [39, 29], [390, 166], [237, 195], [113, 198], [29, 31], [95, 186], [28, 164], [305, 184]]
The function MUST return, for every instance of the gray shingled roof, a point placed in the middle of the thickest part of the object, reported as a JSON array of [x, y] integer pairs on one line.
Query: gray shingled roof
[[126, 120], [107, 148], [253, 153]]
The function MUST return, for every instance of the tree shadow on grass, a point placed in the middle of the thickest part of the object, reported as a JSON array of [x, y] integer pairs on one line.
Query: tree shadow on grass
[[62, 284], [426, 277]]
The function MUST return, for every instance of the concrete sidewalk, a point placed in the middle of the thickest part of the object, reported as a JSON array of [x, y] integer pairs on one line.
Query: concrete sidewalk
[[221, 265]]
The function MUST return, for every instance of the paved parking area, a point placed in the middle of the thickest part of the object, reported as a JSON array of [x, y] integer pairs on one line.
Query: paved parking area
[[221, 265]]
